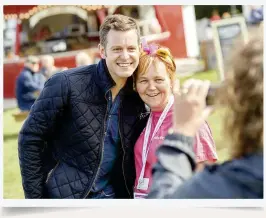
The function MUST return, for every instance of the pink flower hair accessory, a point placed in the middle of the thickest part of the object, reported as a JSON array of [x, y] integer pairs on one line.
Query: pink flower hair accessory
[[149, 49]]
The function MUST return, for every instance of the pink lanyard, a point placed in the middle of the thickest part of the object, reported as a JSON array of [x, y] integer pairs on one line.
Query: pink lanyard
[[145, 149]]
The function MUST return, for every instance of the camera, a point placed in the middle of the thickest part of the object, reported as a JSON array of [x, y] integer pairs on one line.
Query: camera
[[212, 93]]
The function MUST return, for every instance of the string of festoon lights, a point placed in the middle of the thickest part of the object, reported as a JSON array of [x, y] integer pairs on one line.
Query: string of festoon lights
[[34, 10]]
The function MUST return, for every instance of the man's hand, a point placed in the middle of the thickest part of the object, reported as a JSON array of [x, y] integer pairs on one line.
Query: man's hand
[[190, 109]]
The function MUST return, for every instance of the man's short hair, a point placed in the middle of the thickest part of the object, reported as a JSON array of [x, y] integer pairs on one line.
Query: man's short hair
[[117, 22], [32, 60]]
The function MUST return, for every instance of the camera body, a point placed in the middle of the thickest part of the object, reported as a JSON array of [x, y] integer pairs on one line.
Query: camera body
[[211, 93]]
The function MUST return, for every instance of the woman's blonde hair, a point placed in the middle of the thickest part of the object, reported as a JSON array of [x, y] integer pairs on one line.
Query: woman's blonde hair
[[242, 93], [161, 54]]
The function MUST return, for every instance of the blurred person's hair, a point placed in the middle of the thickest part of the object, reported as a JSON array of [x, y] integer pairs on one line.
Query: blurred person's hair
[[83, 59], [117, 22], [161, 54], [215, 12], [47, 60], [242, 95], [226, 15], [32, 60]]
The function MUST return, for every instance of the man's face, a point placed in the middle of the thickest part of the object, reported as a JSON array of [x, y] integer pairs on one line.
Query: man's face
[[35, 67], [121, 53]]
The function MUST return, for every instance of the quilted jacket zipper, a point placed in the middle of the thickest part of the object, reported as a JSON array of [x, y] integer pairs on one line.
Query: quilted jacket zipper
[[124, 152], [101, 153]]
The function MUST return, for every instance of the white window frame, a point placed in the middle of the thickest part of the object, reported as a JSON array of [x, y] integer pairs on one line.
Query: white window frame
[[216, 39]]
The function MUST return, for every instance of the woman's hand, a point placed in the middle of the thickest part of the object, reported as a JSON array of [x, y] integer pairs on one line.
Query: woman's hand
[[190, 109]]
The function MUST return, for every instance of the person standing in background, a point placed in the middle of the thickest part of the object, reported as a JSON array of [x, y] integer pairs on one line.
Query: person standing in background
[[83, 59], [29, 83]]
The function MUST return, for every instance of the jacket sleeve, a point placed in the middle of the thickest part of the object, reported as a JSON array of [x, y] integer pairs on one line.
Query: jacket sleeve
[[35, 132], [30, 83], [175, 164]]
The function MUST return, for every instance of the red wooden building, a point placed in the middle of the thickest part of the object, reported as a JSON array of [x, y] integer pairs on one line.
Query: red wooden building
[[38, 29]]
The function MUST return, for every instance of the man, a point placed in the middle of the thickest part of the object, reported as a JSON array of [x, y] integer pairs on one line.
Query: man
[[82, 59], [28, 84], [78, 139], [47, 66]]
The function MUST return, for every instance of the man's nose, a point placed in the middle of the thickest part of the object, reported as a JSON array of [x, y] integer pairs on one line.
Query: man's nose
[[125, 54]]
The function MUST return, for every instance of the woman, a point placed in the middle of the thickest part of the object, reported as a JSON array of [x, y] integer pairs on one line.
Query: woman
[[242, 175], [153, 81]]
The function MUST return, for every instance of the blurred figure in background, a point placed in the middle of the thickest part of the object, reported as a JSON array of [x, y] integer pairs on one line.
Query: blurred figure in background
[[83, 59], [242, 175], [29, 84], [48, 67], [215, 15], [256, 14], [226, 15], [10, 55]]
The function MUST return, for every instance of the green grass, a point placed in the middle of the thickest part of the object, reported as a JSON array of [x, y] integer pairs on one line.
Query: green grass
[[208, 75], [12, 178]]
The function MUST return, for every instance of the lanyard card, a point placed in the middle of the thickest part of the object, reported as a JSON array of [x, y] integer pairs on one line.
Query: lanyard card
[[143, 184]]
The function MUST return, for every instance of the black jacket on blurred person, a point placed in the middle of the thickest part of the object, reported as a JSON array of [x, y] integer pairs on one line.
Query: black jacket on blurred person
[[61, 142], [172, 175]]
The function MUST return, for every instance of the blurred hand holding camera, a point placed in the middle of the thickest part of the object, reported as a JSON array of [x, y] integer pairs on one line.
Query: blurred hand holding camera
[[190, 108]]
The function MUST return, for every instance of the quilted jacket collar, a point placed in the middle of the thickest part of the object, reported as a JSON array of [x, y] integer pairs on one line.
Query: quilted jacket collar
[[28, 69], [105, 81]]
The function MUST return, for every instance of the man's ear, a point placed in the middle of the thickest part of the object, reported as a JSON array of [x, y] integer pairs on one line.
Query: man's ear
[[102, 51]]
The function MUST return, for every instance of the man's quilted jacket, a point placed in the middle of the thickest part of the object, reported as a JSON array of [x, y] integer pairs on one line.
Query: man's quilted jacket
[[60, 144]]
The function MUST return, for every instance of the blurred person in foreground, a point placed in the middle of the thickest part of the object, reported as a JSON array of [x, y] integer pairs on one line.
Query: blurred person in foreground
[[48, 67], [29, 84], [78, 139], [83, 59], [242, 175], [153, 80]]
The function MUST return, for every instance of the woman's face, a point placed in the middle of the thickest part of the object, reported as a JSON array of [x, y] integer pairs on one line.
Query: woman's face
[[154, 87]]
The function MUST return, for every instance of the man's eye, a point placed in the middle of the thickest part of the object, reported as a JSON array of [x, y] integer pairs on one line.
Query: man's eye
[[117, 49], [132, 49], [159, 80]]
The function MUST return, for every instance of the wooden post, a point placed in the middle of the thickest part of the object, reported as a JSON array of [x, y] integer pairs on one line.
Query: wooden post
[[18, 31]]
